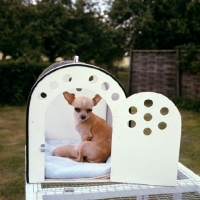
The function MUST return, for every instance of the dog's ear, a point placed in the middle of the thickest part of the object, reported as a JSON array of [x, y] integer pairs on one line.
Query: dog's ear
[[69, 97], [96, 99]]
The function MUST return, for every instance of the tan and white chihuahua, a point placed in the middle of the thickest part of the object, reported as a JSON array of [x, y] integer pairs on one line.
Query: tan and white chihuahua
[[96, 134]]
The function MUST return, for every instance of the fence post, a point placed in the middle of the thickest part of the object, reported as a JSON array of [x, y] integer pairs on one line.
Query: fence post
[[130, 73], [178, 74]]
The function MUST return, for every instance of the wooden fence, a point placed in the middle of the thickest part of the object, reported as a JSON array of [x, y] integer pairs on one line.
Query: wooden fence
[[158, 71], [190, 86]]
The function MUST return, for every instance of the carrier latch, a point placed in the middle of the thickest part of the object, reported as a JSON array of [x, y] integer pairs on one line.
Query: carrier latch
[[42, 147]]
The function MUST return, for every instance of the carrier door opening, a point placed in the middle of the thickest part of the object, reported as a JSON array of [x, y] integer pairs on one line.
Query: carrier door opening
[[60, 130]]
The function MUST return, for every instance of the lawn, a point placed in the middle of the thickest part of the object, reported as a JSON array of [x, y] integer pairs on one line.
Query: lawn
[[190, 140], [12, 142]]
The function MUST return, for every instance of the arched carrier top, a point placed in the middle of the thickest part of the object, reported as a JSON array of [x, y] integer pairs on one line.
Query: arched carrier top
[[47, 93], [69, 63]]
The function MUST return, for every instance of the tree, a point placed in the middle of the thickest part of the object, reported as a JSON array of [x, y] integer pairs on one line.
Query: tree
[[157, 24], [94, 38], [53, 29], [17, 25], [78, 29], [58, 28]]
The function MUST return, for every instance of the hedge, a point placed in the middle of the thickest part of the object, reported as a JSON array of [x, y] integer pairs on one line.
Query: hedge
[[17, 79], [187, 103]]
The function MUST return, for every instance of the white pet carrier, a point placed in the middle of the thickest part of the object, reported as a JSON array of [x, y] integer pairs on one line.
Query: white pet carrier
[[145, 140]]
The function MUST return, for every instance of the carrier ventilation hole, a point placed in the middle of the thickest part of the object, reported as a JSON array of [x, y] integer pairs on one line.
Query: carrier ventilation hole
[[115, 96], [67, 78], [131, 123], [53, 85], [162, 125], [148, 103], [105, 86], [164, 111], [78, 89], [132, 110], [43, 95], [147, 131], [147, 117], [93, 79]]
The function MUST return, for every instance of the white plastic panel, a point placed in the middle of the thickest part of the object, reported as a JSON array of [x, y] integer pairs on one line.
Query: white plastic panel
[[48, 93], [146, 140]]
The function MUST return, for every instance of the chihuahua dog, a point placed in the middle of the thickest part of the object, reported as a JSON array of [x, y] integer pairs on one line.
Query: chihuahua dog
[[96, 134]]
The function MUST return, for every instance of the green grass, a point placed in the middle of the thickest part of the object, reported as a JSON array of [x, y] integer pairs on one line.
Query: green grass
[[190, 140], [12, 143], [122, 76]]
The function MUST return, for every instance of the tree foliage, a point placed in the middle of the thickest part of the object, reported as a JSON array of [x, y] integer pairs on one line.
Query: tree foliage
[[57, 28], [157, 24], [17, 25], [62, 28]]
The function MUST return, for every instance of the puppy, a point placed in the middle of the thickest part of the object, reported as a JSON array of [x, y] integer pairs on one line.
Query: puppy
[[96, 134]]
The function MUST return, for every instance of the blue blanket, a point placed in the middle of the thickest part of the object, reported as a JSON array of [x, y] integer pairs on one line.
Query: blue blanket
[[64, 168]]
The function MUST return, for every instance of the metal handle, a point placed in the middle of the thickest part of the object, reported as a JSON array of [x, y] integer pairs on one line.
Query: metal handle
[[76, 59]]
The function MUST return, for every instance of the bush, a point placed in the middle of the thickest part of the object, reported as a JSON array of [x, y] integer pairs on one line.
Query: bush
[[189, 60], [186, 103], [17, 79]]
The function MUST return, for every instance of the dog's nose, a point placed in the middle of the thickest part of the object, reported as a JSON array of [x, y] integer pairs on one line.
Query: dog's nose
[[83, 116]]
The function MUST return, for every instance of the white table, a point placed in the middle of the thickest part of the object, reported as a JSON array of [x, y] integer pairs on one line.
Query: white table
[[187, 187]]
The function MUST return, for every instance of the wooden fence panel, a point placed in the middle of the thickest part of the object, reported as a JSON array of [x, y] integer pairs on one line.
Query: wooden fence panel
[[158, 71], [153, 71], [191, 86]]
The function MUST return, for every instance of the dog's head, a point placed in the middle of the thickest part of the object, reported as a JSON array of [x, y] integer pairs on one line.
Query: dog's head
[[82, 105]]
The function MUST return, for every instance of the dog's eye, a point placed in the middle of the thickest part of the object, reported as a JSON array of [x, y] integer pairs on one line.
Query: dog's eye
[[89, 110], [77, 109]]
